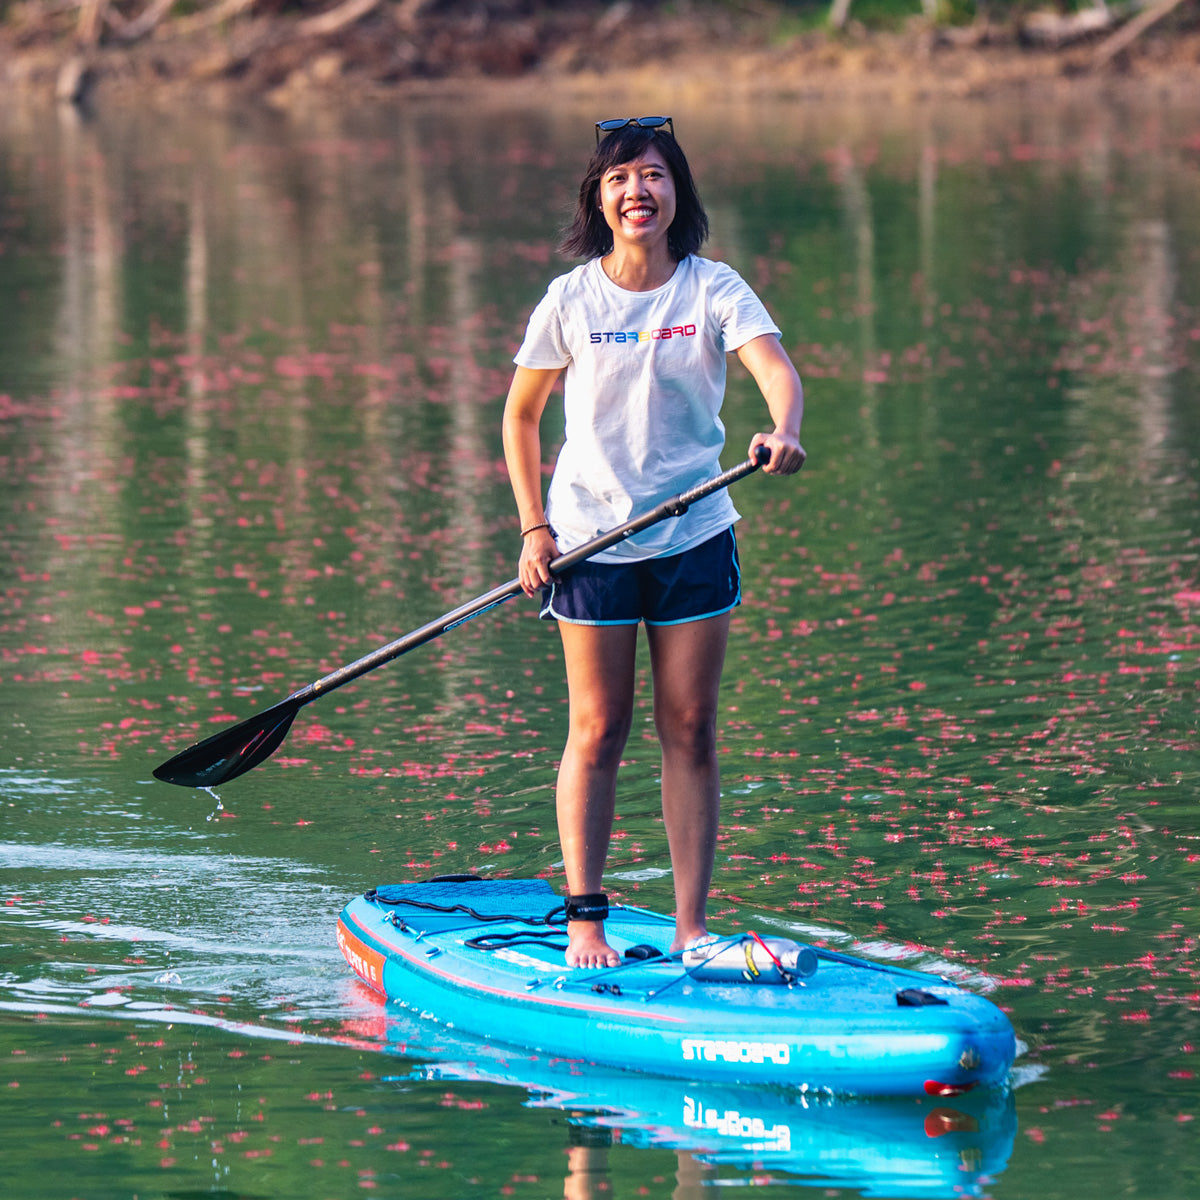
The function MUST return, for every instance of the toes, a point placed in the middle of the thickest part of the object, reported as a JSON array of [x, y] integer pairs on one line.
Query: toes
[[596, 957]]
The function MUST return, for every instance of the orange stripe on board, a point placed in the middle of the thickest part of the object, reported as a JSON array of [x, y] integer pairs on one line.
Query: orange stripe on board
[[366, 963]]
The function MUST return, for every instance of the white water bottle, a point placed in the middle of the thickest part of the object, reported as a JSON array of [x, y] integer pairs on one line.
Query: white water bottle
[[750, 959]]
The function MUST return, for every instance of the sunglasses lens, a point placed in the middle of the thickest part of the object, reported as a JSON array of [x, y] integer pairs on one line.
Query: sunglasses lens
[[614, 123]]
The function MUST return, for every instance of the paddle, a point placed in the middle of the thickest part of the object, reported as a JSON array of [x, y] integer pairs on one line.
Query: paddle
[[238, 749]]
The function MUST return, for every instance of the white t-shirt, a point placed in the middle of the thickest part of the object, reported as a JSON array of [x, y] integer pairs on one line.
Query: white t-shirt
[[645, 379]]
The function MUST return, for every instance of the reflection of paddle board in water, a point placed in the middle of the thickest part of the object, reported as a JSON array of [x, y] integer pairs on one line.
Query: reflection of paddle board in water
[[486, 957], [909, 1147]]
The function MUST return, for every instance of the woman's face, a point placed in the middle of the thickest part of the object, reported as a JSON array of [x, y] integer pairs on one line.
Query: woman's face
[[638, 199]]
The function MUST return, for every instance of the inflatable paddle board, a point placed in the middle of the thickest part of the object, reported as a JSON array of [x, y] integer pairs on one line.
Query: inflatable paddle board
[[485, 957]]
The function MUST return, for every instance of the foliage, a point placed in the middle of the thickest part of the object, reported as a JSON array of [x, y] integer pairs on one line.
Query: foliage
[[390, 40]]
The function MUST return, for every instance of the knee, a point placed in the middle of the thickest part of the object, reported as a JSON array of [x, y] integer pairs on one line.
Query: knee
[[690, 730], [599, 738]]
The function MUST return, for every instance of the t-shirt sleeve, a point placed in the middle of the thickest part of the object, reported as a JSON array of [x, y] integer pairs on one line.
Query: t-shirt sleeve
[[740, 314], [544, 347]]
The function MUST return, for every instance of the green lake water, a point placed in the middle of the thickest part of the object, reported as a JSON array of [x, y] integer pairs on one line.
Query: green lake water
[[251, 376]]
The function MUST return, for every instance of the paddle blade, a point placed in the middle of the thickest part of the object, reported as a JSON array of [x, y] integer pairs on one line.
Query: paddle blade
[[232, 752]]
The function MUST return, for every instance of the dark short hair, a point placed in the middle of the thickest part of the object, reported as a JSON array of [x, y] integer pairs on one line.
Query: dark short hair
[[588, 235]]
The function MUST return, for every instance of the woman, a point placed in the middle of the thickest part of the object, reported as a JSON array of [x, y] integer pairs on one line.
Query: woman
[[642, 330]]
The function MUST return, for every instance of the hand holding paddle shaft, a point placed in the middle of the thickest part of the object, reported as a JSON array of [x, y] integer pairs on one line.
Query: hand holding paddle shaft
[[236, 750]]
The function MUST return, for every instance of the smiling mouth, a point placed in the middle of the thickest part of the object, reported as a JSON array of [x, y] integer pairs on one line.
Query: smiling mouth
[[639, 214]]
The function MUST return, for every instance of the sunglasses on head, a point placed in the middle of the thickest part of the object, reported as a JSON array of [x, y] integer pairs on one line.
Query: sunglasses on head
[[603, 128]]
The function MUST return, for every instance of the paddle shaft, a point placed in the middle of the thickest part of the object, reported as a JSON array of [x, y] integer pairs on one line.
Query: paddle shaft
[[238, 748], [674, 507]]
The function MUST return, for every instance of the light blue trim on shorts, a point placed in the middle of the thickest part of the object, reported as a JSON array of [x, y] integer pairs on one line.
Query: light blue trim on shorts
[[702, 617], [720, 612], [548, 611]]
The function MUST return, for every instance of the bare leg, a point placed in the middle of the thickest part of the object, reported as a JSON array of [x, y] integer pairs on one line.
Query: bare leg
[[694, 1180], [600, 679], [687, 661], [587, 1173]]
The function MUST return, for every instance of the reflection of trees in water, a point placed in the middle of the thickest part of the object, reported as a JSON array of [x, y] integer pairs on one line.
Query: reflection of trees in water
[[89, 313], [264, 314]]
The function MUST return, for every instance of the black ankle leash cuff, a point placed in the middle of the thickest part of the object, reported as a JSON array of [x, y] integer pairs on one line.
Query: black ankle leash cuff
[[592, 907]]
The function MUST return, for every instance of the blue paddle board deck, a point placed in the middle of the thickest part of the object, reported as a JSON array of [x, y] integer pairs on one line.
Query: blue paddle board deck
[[486, 957]]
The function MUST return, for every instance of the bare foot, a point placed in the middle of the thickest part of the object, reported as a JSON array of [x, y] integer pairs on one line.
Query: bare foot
[[686, 938], [586, 946]]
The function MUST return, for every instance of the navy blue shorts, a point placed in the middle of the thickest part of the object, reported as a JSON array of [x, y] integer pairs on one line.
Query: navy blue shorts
[[704, 581]]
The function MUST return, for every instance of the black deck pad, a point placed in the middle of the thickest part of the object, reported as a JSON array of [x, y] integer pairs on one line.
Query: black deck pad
[[489, 897]]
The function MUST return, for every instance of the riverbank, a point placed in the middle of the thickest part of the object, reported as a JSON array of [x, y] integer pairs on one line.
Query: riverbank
[[388, 49]]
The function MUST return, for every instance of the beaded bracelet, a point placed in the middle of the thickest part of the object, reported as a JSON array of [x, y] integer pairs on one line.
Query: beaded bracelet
[[535, 528]]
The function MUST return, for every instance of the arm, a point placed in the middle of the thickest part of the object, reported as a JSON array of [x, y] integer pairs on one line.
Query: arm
[[777, 379], [527, 397]]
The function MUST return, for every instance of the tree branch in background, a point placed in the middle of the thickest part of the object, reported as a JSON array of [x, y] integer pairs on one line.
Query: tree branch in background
[[1127, 34], [91, 22], [330, 22], [137, 28], [225, 10], [839, 13], [1055, 29]]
